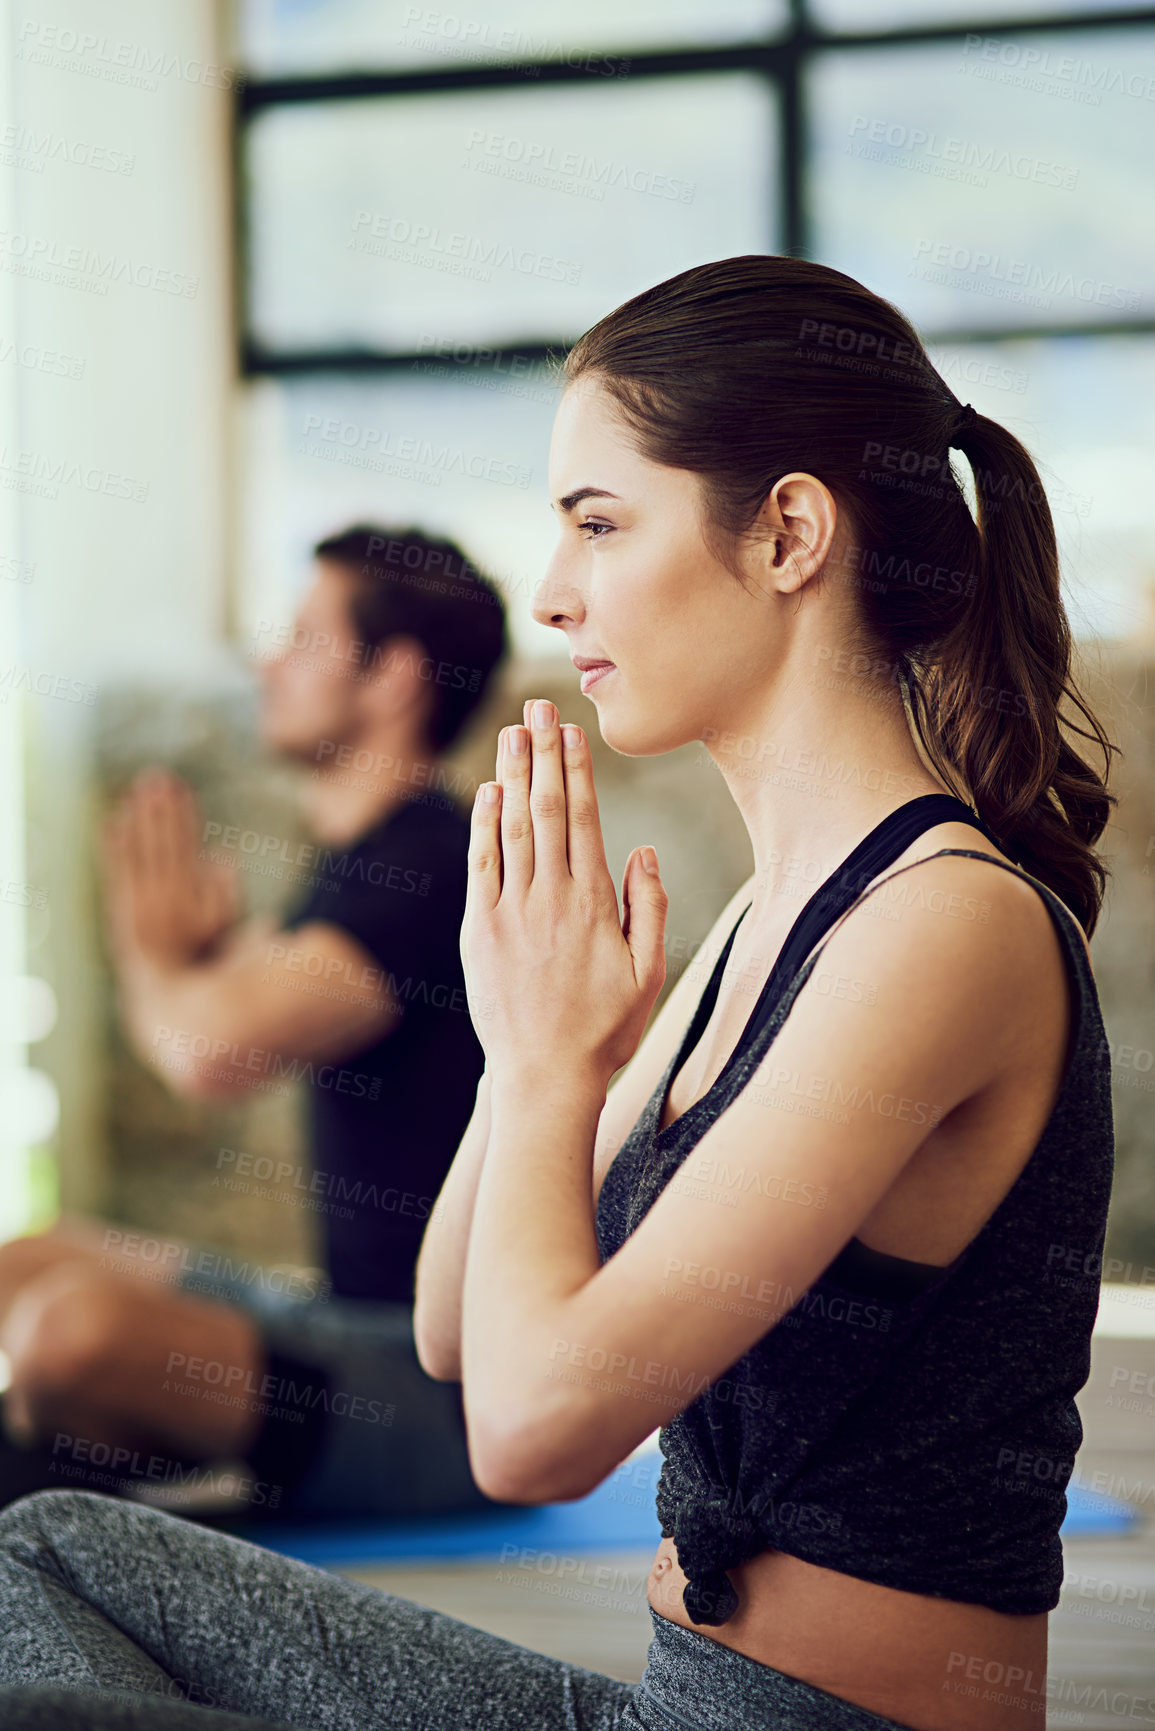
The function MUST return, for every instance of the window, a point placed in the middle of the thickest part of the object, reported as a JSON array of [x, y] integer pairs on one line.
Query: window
[[433, 203]]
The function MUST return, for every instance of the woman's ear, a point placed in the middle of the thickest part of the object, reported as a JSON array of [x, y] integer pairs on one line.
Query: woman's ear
[[799, 519]]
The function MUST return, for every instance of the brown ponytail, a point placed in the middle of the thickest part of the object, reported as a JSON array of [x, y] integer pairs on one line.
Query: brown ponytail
[[748, 368], [1043, 802]]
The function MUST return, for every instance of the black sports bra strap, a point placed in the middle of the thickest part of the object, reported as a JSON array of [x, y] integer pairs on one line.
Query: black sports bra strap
[[829, 903], [710, 995], [965, 853], [878, 850], [885, 843]]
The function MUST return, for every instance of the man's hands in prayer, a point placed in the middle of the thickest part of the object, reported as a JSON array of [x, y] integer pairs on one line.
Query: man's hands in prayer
[[166, 907]]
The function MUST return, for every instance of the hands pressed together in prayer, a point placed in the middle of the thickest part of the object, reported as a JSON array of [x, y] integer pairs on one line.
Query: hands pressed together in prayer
[[166, 906], [562, 978]]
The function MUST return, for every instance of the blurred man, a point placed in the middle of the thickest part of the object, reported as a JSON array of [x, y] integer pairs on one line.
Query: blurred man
[[126, 1351]]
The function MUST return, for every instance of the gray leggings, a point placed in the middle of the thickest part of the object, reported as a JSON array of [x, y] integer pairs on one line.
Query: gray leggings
[[116, 1615]]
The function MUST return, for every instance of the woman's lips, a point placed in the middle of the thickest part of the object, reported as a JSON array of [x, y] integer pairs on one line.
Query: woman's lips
[[592, 674]]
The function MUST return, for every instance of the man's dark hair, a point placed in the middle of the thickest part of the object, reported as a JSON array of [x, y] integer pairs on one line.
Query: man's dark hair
[[414, 585]]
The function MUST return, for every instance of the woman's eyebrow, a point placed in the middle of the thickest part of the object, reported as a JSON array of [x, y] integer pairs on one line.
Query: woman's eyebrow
[[575, 498]]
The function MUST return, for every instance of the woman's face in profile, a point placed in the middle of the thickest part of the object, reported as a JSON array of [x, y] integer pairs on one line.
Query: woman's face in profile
[[632, 582]]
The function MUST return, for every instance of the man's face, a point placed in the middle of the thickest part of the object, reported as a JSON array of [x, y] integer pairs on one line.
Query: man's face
[[312, 690]]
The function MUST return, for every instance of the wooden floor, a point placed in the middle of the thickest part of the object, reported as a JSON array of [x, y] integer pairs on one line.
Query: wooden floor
[[1101, 1670]]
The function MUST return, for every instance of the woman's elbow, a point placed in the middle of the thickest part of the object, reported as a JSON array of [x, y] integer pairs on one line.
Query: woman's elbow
[[520, 1464], [438, 1357]]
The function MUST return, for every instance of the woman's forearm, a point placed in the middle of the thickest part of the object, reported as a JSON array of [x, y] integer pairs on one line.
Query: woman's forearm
[[441, 1264], [532, 1251]]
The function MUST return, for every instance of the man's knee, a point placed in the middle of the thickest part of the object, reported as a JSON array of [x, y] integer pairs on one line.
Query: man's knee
[[22, 1259], [65, 1329]]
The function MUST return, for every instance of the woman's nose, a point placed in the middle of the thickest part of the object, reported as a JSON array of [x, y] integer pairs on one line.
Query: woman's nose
[[557, 601]]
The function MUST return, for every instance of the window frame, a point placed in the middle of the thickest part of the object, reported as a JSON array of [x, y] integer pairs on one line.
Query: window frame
[[782, 58]]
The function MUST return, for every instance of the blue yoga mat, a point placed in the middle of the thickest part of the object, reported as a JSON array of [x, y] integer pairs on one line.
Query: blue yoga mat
[[618, 1516], [1090, 1513]]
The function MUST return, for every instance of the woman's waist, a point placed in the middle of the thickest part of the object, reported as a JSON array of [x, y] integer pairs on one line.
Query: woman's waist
[[909, 1657]]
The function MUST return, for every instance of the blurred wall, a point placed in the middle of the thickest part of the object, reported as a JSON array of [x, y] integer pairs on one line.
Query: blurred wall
[[125, 275]]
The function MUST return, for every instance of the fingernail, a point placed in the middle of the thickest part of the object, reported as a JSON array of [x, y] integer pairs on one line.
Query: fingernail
[[650, 861], [518, 741], [491, 792], [572, 735], [543, 713]]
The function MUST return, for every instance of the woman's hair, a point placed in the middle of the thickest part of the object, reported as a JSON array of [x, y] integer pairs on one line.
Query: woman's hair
[[750, 368]]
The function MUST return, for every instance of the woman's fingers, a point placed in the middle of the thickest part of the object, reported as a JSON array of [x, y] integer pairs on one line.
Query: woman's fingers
[[483, 884], [644, 926], [549, 822], [547, 795], [517, 847], [587, 854]]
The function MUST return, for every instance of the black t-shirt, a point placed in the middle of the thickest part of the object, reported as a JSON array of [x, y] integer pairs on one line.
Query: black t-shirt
[[386, 1122]]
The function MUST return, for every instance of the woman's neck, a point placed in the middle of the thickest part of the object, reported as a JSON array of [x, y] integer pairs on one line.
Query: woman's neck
[[811, 777]]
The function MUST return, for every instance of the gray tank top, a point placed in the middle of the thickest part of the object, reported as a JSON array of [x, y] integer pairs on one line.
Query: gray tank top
[[905, 1423]]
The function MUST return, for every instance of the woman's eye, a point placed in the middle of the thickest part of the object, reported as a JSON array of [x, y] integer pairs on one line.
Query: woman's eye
[[595, 530]]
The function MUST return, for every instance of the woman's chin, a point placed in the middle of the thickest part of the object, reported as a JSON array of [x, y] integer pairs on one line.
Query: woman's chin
[[634, 736]]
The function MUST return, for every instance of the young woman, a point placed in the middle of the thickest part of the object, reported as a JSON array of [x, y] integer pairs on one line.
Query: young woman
[[821, 1230]]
